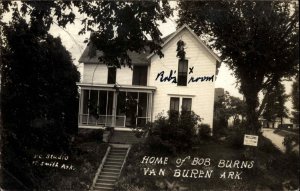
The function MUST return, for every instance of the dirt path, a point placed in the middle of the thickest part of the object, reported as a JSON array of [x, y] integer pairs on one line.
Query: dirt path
[[277, 140]]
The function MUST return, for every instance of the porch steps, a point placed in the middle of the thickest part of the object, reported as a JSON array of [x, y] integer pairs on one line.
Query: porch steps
[[126, 137], [111, 168]]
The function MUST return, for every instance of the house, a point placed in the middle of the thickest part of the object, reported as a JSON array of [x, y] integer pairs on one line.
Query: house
[[125, 97]]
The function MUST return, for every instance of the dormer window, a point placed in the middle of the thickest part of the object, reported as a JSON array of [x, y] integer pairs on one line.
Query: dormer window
[[182, 72], [111, 76]]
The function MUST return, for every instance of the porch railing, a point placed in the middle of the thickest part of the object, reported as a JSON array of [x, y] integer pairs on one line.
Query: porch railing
[[102, 120], [107, 120]]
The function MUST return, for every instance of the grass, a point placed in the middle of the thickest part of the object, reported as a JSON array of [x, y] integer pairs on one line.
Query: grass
[[271, 168], [286, 133], [87, 155]]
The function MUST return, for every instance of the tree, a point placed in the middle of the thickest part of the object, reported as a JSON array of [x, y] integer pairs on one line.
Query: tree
[[226, 107], [295, 100], [275, 107], [39, 104], [117, 26], [257, 40], [39, 97]]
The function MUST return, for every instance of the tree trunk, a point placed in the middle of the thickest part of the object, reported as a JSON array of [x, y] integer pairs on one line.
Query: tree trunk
[[251, 96]]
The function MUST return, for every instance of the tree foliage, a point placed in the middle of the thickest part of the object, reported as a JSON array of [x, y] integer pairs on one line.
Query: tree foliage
[[257, 40], [39, 96], [295, 100], [117, 26], [226, 107], [275, 104]]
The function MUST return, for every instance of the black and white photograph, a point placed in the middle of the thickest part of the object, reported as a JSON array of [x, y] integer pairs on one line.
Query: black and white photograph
[[149, 95]]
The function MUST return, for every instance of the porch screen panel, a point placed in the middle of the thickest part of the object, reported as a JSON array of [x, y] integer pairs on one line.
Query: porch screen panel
[[110, 103], [102, 102], [93, 107], [121, 104], [142, 109], [174, 104], [85, 101]]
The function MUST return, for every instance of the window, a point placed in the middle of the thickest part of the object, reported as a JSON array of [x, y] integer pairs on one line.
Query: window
[[140, 75], [111, 76], [186, 104], [174, 104], [182, 72]]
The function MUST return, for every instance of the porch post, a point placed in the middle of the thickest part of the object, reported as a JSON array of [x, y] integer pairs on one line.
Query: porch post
[[151, 106], [114, 112], [80, 112]]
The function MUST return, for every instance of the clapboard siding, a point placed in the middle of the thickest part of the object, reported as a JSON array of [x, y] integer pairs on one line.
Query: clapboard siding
[[97, 74], [202, 93]]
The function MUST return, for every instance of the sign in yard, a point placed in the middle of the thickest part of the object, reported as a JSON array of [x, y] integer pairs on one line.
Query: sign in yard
[[251, 140]]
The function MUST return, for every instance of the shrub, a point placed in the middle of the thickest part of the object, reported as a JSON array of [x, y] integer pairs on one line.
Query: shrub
[[204, 131], [89, 135], [219, 126], [236, 138], [290, 141], [173, 133]]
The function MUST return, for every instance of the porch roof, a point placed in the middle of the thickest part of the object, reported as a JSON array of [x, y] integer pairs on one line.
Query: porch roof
[[114, 87]]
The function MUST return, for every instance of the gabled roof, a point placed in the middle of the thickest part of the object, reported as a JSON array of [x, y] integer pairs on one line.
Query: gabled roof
[[192, 32], [136, 58], [140, 58]]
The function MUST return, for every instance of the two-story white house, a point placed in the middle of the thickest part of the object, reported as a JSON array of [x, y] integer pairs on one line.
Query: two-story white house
[[129, 97]]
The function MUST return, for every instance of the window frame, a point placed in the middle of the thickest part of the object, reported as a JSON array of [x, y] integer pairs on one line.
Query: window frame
[[182, 75], [189, 106], [111, 77], [140, 75], [174, 106]]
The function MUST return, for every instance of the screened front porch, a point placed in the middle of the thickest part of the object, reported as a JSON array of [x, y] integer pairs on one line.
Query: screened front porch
[[115, 107]]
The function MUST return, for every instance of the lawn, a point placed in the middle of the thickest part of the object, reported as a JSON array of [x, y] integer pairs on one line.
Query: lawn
[[232, 167]]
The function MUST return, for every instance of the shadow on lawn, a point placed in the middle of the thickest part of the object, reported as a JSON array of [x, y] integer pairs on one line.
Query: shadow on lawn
[[271, 169]]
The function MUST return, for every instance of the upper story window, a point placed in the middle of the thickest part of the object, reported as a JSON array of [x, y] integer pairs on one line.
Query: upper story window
[[140, 75], [111, 76], [182, 72]]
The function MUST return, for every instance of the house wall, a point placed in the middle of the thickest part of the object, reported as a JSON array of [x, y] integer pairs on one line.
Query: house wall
[[97, 74], [202, 93]]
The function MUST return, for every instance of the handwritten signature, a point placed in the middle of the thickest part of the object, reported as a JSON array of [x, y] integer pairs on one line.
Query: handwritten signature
[[173, 79]]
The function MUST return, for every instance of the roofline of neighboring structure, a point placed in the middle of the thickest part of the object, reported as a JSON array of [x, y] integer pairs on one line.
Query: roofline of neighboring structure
[[192, 32]]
